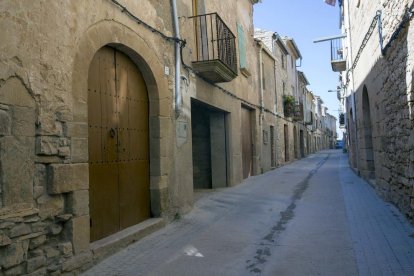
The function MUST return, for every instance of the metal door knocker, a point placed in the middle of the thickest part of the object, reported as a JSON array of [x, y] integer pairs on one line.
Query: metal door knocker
[[112, 132]]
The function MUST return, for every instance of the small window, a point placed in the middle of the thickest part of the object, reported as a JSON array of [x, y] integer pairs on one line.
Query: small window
[[283, 60]]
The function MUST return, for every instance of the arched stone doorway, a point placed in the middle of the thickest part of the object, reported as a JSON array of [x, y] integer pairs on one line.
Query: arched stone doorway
[[125, 40], [119, 193], [367, 145]]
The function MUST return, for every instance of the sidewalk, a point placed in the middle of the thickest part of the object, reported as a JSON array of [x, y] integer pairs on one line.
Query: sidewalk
[[383, 244], [311, 217]]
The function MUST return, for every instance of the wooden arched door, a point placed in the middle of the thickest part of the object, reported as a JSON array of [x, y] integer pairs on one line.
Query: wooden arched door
[[119, 193]]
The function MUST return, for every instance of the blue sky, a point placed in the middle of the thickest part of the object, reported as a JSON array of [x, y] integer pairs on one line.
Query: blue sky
[[304, 21]]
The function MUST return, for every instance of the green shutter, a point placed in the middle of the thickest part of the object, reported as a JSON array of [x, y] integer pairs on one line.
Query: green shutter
[[242, 47]]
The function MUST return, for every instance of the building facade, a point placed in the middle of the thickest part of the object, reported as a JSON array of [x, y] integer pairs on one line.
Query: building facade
[[112, 114], [377, 90]]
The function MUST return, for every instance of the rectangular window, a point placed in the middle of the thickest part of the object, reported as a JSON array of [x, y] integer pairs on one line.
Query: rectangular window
[[283, 60]]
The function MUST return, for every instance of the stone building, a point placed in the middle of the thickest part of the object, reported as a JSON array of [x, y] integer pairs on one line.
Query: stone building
[[113, 113], [296, 129], [378, 87]]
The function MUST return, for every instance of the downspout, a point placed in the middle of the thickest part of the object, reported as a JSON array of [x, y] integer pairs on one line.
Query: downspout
[[261, 77], [274, 38], [261, 96], [178, 96]]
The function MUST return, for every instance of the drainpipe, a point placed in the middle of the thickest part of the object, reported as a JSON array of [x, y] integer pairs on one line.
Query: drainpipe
[[178, 97], [261, 77], [261, 94], [274, 38]]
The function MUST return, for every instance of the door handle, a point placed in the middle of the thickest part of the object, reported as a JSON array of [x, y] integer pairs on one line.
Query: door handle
[[112, 132]]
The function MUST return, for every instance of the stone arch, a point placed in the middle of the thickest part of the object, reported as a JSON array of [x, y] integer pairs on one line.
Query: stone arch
[[128, 41], [367, 140]]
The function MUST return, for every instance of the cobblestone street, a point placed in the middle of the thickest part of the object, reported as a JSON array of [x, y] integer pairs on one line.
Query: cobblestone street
[[311, 217]]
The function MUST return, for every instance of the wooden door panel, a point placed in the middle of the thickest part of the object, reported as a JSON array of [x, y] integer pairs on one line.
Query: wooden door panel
[[122, 76], [134, 192], [108, 106], [104, 204], [133, 143], [118, 144], [247, 149], [94, 112], [103, 172]]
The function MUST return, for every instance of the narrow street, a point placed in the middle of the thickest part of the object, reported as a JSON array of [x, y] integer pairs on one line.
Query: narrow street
[[311, 217]]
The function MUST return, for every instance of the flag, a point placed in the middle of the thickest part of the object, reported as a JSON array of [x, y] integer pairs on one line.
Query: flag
[[330, 2]]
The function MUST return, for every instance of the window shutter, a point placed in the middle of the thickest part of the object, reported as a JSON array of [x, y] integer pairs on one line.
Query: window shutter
[[242, 47]]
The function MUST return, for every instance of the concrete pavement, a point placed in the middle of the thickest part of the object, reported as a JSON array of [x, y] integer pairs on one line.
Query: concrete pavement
[[311, 217]]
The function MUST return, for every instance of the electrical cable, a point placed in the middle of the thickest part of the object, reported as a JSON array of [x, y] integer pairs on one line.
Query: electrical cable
[[408, 15], [231, 94], [146, 25], [182, 45]]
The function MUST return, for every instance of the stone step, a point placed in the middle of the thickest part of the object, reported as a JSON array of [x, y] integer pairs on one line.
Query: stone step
[[105, 247]]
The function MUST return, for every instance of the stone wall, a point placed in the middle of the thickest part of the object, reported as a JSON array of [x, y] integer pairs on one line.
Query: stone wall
[[387, 79], [46, 49]]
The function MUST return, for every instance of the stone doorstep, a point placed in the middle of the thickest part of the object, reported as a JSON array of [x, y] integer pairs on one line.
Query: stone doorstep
[[107, 246]]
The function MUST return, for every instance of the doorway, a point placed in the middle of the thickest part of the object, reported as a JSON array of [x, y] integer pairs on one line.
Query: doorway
[[286, 136], [301, 144], [272, 147], [247, 142], [295, 142], [209, 146], [118, 111], [367, 130]]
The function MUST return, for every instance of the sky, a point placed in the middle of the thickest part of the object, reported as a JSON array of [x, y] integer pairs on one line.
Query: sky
[[305, 21]]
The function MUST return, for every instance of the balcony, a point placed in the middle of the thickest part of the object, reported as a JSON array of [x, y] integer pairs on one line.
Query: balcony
[[215, 56], [309, 119], [338, 60], [298, 112]]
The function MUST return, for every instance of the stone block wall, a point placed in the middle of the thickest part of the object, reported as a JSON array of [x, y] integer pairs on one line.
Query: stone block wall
[[388, 81], [32, 222], [45, 52]]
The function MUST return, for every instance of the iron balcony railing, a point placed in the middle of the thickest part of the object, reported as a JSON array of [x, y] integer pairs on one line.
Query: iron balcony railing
[[214, 40], [337, 55], [298, 112]]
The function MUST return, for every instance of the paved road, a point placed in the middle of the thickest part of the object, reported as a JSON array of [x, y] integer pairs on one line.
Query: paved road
[[311, 217]]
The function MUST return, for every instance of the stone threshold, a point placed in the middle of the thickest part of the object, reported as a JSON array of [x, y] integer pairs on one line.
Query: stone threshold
[[105, 247]]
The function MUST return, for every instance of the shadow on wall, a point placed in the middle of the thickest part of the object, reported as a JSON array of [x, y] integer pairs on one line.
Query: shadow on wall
[[384, 114], [381, 139]]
